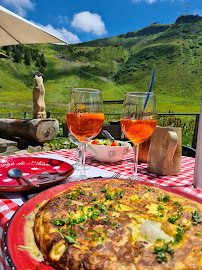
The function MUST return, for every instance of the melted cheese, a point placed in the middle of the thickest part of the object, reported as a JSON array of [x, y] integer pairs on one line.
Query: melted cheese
[[125, 207], [29, 238], [152, 208], [152, 231], [57, 250]]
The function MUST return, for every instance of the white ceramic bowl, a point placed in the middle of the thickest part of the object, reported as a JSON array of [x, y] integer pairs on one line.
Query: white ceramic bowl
[[108, 154]]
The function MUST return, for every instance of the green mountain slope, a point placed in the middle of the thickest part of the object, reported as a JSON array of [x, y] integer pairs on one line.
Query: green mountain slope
[[115, 65]]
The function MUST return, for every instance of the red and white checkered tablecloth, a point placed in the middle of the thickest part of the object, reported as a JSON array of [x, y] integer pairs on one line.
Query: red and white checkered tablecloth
[[124, 167]]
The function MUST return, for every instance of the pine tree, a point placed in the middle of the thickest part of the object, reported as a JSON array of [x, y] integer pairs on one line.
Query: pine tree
[[27, 56], [17, 55], [34, 54], [8, 50], [43, 60], [38, 62]]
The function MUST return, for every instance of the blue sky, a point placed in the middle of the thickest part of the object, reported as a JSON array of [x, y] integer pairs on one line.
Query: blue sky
[[84, 20]]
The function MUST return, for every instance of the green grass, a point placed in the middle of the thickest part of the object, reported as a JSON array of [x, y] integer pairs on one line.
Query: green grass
[[114, 65]]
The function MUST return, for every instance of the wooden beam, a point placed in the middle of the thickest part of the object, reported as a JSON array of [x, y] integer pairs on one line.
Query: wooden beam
[[39, 130], [113, 102]]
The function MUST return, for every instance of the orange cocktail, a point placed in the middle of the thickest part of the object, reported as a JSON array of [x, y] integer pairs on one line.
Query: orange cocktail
[[138, 121], [138, 131], [85, 126], [85, 118]]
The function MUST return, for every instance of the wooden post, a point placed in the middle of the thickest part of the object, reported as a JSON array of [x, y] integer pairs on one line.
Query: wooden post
[[194, 140], [65, 129]]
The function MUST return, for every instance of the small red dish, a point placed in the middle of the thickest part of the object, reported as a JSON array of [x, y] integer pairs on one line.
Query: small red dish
[[20, 259], [40, 171]]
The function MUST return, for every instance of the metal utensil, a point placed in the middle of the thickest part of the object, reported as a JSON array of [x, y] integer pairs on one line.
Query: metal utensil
[[108, 135], [17, 173]]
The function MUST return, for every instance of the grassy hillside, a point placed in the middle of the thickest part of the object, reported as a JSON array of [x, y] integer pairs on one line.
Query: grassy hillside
[[114, 65]]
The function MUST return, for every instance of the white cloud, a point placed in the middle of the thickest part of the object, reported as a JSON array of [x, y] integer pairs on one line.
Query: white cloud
[[62, 19], [19, 6], [89, 23], [149, 1], [62, 33], [198, 12]]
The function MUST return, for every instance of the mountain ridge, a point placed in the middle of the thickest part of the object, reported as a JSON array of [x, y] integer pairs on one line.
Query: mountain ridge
[[116, 65]]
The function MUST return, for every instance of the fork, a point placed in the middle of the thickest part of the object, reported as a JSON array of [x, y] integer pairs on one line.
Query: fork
[[115, 176]]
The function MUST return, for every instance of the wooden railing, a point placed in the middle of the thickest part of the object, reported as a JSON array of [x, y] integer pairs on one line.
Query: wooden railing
[[49, 114]]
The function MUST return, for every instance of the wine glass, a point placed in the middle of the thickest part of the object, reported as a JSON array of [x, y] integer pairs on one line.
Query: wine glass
[[74, 140], [138, 121], [85, 118]]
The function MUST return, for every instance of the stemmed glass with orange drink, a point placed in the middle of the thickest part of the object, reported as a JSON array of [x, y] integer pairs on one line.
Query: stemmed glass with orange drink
[[85, 117], [138, 121]]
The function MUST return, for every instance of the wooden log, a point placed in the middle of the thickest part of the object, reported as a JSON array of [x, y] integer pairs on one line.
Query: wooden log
[[39, 130]]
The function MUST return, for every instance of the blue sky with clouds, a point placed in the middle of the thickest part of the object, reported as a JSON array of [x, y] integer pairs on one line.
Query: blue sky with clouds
[[84, 20]]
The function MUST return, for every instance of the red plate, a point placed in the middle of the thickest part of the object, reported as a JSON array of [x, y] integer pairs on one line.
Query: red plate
[[40, 171], [20, 259]]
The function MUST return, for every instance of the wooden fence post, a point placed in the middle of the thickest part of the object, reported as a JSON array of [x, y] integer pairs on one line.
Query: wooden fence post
[[194, 140], [25, 115], [65, 129], [48, 114]]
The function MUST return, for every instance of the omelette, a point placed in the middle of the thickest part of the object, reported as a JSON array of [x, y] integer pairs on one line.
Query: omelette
[[115, 224]]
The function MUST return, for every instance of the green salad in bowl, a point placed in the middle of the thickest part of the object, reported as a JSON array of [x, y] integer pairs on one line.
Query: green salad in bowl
[[106, 142], [106, 151]]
